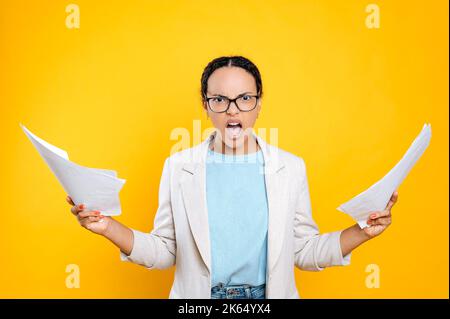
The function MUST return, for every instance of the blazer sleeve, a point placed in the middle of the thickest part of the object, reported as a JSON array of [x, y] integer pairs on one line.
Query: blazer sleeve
[[313, 251], [157, 249]]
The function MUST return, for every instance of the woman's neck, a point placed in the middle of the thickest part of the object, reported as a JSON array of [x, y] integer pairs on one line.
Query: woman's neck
[[249, 146]]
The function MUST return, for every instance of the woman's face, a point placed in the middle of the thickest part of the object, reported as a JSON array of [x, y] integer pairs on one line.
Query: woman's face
[[234, 127]]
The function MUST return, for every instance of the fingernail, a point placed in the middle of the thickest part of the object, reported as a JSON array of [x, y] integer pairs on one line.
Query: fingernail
[[373, 216], [82, 206], [101, 216]]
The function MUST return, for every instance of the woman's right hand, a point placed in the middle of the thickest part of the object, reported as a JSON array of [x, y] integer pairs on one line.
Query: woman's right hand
[[90, 219]]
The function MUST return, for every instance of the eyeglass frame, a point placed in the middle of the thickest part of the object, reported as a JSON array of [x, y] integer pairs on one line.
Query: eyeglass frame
[[232, 100]]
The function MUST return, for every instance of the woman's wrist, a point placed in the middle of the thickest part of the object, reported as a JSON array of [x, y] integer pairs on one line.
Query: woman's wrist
[[109, 231], [362, 234], [120, 235], [351, 238]]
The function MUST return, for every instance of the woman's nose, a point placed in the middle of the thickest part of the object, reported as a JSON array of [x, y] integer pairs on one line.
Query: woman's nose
[[233, 109]]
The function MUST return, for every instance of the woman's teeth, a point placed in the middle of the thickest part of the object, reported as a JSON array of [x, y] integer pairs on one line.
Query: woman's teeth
[[233, 130]]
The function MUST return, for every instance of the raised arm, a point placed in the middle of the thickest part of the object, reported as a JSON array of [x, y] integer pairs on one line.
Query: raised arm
[[117, 233], [354, 236], [315, 251], [156, 249]]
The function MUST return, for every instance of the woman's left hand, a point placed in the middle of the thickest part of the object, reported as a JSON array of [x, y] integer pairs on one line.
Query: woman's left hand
[[379, 221]]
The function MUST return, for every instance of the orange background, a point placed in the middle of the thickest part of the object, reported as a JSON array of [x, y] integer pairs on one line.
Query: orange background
[[346, 98]]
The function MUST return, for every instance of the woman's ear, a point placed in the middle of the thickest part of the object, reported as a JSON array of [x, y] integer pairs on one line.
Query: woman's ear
[[258, 108], [206, 109]]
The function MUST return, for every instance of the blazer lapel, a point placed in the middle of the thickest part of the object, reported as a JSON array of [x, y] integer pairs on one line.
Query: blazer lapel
[[193, 187], [276, 201]]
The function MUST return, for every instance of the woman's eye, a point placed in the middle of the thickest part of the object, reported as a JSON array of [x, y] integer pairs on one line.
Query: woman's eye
[[246, 97], [218, 100]]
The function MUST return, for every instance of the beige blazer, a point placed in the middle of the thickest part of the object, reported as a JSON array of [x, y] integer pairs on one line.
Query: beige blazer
[[181, 232]]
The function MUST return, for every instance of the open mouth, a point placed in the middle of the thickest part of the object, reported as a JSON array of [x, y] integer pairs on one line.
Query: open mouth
[[233, 129]]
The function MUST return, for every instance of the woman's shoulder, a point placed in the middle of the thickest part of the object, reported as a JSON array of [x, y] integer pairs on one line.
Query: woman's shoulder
[[188, 158], [285, 156], [185, 157]]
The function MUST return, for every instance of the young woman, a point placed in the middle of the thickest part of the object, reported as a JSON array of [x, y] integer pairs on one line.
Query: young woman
[[234, 212]]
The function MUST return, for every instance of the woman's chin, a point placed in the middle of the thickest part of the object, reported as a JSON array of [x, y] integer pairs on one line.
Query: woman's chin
[[235, 142]]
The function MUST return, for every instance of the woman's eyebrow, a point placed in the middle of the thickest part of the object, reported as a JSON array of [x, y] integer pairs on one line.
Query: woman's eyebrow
[[213, 94], [239, 95], [245, 93]]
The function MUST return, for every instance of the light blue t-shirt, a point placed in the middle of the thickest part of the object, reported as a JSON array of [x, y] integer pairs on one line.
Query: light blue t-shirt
[[238, 218]]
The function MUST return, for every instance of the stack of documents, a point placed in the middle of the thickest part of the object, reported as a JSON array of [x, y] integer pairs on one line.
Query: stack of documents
[[98, 189], [378, 195]]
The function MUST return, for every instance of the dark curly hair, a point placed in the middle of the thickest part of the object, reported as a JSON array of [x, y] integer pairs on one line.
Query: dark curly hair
[[237, 61]]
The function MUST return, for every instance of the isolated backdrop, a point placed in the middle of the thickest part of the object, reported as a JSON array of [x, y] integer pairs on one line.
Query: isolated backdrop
[[346, 97]]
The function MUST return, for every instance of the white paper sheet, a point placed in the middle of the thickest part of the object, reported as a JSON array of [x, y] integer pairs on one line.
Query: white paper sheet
[[97, 188], [378, 195]]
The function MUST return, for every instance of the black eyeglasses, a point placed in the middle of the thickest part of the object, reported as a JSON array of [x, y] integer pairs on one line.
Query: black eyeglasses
[[221, 104]]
